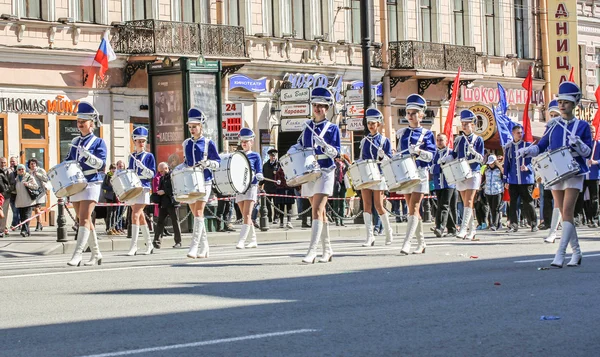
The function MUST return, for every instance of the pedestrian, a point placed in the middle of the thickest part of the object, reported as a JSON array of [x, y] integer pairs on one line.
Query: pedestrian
[[39, 174], [375, 147], [111, 198], [12, 178], [494, 188], [270, 168], [573, 134], [418, 142], [5, 172], [445, 218], [520, 180], [339, 190], [468, 146], [224, 213], [167, 206], [26, 187], [143, 164], [284, 200]]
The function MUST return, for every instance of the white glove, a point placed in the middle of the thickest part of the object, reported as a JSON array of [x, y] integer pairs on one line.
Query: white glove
[[381, 154], [425, 156], [472, 150], [82, 152], [330, 151], [446, 159], [93, 161], [531, 150], [259, 176], [147, 173], [319, 141], [413, 149], [573, 139], [579, 146]]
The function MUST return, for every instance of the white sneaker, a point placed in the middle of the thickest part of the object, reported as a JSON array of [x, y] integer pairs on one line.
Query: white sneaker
[[289, 225]]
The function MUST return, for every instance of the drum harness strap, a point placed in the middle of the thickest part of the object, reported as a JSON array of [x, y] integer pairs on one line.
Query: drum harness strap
[[466, 150], [419, 142], [321, 135], [87, 148], [381, 142], [135, 162]]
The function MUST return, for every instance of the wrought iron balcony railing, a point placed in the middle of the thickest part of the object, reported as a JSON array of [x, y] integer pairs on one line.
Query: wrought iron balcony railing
[[179, 38], [432, 56]]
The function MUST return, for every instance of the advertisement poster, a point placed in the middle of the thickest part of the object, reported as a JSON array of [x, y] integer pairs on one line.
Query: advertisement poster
[[203, 95], [167, 122]]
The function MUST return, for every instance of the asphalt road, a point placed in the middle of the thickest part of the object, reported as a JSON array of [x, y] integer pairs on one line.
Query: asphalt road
[[459, 299]]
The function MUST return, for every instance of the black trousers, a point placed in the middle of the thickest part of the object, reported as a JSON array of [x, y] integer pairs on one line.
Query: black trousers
[[482, 209], [495, 202], [525, 192], [25, 214], [590, 207], [163, 212], [223, 210], [271, 214], [446, 209], [548, 207]]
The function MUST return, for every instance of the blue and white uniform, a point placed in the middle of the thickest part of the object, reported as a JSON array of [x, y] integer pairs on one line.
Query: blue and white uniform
[[371, 148], [439, 179], [512, 165], [420, 143], [202, 150], [144, 166], [470, 148], [594, 173], [257, 169], [90, 153]]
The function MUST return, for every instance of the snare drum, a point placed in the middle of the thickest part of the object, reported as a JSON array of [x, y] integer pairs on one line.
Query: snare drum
[[457, 171], [234, 175], [555, 166], [126, 184], [400, 172], [364, 174], [300, 167], [67, 179], [188, 184]]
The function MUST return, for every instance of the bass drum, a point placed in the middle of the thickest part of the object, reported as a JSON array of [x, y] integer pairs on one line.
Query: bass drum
[[234, 175]]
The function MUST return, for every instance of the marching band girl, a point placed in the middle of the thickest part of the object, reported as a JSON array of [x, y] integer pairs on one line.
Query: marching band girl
[[90, 152], [574, 134], [324, 137], [144, 165], [554, 114], [469, 147], [200, 151], [247, 199], [420, 143], [377, 147]]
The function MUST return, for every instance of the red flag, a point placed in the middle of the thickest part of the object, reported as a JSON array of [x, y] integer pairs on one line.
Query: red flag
[[596, 121], [572, 75], [451, 109], [527, 85]]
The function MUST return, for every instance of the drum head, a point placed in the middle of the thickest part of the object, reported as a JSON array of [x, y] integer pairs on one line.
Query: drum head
[[131, 194], [240, 172], [71, 190]]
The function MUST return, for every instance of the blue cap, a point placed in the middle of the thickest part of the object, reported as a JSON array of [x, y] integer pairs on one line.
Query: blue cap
[[246, 134], [553, 106], [140, 133], [569, 91], [467, 116], [373, 115], [415, 101], [195, 116], [321, 96], [86, 111]]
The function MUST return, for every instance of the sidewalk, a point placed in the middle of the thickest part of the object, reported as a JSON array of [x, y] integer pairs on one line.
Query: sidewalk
[[44, 243]]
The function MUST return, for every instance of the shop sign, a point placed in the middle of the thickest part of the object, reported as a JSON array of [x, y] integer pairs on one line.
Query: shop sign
[[314, 80], [247, 83], [355, 110], [562, 37], [295, 95], [487, 96], [295, 110], [232, 120], [293, 124], [485, 125], [59, 105], [357, 95], [377, 87], [355, 124], [585, 113]]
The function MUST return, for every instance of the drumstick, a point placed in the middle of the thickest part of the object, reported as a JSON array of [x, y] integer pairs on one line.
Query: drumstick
[[274, 181]]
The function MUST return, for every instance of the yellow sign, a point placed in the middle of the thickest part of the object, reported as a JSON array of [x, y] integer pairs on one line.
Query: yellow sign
[[485, 125], [563, 52]]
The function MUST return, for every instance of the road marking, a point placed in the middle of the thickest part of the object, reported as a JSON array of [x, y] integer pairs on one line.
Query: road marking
[[203, 343], [550, 259]]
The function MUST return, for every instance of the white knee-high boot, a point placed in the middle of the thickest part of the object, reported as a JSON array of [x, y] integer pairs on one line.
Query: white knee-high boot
[[420, 238], [389, 234], [327, 250], [243, 234], [82, 237], [576, 256], [567, 234], [472, 229], [253, 243], [556, 216], [95, 248], [315, 235], [410, 232], [193, 251], [466, 221], [204, 248], [367, 217], [148, 238], [135, 232]]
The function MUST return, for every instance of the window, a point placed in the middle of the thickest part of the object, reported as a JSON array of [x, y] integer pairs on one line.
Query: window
[[30, 9], [84, 10], [268, 17], [292, 21], [67, 131], [490, 26], [426, 21], [353, 21], [597, 58], [141, 9], [318, 18], [519, 29], [33, 129], [235, 9], [396, 21], [187, 10], [3, 141], [459, 22], [193, 11]]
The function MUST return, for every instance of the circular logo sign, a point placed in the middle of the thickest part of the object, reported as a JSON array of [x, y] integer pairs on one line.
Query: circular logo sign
[[485, 125]]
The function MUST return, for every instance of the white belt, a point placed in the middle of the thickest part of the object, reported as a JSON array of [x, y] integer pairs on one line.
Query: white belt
[[90, 172], [322, 157]]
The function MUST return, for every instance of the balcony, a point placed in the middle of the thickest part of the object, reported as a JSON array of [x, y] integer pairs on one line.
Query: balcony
[[432, 56], [154, 37]]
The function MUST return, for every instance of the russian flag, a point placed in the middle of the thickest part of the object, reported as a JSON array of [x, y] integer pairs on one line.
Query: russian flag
[[104, 55]]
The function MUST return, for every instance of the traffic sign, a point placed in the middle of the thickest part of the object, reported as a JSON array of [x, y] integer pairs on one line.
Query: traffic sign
[[355, 110]]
